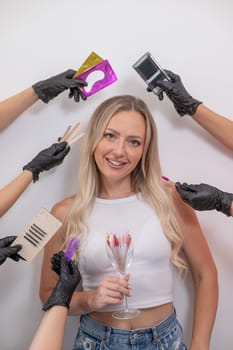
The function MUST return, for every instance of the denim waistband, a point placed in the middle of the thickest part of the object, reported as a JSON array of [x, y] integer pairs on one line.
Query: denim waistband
[[109, 334]]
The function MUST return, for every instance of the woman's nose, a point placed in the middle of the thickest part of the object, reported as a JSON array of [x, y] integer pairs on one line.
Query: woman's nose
[[119, 147]]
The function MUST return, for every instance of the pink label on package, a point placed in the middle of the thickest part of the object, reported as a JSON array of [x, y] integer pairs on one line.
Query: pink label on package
[[97, 78]]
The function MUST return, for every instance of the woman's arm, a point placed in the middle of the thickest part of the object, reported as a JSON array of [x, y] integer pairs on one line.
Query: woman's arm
[[45, 160], [51, 330], [11, 192], [11, 108], [44, 90], [218, 126], [50, 333], [204, 275]]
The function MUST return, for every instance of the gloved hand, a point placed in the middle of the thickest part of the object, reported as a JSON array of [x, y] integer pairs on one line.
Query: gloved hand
[[183, 102], [50, 88], [205, 197], [56, 262], [9, 252], [47, 159], [69, 278]]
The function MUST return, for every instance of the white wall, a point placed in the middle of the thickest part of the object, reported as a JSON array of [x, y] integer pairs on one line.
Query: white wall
[[42, 38]]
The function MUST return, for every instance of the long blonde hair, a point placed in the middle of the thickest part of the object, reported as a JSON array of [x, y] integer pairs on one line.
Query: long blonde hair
[[146, 177]]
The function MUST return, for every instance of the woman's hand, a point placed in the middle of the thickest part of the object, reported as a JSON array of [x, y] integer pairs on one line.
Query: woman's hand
[[6, 251], [205, 197], [111, 290]]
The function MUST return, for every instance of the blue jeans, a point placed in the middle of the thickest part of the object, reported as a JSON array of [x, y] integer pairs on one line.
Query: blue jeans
[[167, 335]]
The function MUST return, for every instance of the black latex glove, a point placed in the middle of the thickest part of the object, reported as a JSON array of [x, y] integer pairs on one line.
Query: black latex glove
[[69, 278], [9, 252], [205, 197], [183, 102], [56, 262], [47, 159], [50, 88]]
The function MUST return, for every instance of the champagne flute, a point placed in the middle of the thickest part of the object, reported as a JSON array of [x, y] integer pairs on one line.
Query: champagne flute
[[120, 252]]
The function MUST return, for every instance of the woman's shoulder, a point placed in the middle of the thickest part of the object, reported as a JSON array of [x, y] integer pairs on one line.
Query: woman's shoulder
[[184, 210], [60, 209], [171, 190]]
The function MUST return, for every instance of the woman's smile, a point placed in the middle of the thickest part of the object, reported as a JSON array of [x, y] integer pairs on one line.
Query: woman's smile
[[116, 163]]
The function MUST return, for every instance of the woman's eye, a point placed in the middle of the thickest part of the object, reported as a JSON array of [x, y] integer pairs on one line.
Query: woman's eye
[[108, 135], [135, 143]]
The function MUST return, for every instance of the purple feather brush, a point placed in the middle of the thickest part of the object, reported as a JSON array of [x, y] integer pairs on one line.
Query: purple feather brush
[[72, 247]]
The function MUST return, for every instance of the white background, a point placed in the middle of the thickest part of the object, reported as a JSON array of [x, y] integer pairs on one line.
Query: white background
[[42, 38]]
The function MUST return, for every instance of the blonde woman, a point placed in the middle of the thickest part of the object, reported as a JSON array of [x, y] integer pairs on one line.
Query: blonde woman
[[119, 189]]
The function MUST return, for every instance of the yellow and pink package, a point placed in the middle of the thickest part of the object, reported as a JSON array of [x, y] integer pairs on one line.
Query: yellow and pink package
[[97, 77], [92, 60]]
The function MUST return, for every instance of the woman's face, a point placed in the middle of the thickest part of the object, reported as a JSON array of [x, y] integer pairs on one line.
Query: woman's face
[[121, 147]]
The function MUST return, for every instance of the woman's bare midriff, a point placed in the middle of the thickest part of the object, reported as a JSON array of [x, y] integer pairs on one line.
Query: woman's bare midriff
[[148, 317]]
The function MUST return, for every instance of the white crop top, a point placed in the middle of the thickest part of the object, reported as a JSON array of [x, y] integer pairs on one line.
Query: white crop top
[[151, 273]]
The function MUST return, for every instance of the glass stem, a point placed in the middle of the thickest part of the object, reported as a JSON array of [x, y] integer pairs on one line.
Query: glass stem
[[126, 304], [126, 299]]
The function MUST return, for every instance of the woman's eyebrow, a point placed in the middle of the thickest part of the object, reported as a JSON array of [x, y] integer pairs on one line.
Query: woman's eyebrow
[[112, 130], [129, 136]]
